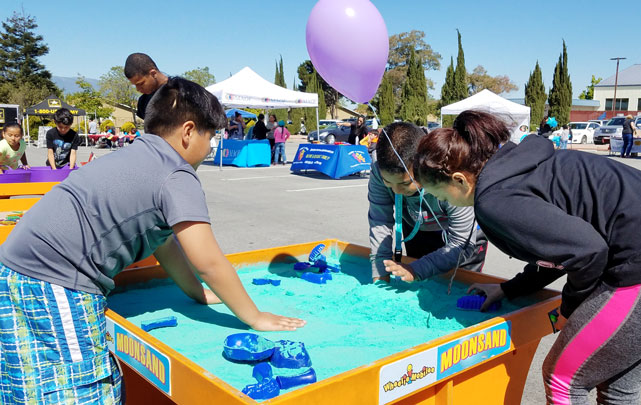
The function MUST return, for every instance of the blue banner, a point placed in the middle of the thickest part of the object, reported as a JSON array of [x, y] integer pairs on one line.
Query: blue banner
[[244, 153], [472, 349], [336, 161]]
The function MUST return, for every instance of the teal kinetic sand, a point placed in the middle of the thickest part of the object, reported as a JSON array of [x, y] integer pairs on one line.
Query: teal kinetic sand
[[350, 322]]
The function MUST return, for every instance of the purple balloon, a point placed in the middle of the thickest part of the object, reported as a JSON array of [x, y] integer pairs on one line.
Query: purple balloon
[[348, 44]]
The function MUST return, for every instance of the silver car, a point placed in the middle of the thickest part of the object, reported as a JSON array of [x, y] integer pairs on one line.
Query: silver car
[[614, 128]]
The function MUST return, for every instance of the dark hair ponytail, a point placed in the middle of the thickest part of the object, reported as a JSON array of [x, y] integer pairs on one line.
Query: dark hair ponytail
[[473, 139]]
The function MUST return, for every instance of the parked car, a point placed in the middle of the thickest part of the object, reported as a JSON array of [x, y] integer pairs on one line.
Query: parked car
[[614, 127], [583, 132], [324, 123], [370, 121], [330, 134], [600, 122]]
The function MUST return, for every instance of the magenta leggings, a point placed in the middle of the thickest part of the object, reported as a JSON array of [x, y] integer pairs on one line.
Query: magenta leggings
[[599, 347]]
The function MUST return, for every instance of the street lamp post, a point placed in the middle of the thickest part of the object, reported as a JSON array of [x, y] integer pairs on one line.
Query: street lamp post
[[616, 79]]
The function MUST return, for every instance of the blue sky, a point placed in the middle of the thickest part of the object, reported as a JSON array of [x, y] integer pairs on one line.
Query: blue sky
[[506, 37]]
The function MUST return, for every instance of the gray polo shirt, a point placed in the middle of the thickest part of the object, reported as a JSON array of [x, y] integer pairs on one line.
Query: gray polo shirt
[[108, 214]]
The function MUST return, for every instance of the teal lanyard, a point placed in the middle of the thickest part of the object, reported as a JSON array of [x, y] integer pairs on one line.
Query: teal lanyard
[[398, 208]]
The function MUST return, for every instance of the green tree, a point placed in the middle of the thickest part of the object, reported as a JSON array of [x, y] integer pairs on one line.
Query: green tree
[[447, 91], [386, 102], [305, 72], [479, 80], [279, 77], [313, 86], [400, 46], [117, 89], [460, 90], [201, 76], [588, 93], [535, 96], [89, 100], [414, 94], [560, 99], [20, 49]]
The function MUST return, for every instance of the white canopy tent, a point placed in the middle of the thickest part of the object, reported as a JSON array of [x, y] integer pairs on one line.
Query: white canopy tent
[[247, 89], [516, 116]]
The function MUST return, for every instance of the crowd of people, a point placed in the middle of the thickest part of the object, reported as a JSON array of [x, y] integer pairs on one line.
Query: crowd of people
[[444, 194]]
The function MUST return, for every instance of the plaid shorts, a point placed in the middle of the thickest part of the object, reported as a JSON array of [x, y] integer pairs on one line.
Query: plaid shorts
[[53, 347]]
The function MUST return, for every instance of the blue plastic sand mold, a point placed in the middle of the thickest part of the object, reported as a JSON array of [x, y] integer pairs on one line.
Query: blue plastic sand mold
[[282, 354], [265, 281], [247, 347], [316, 278], [290, 354], [159, 323], [307, 377], [474, 303], [315, 254]]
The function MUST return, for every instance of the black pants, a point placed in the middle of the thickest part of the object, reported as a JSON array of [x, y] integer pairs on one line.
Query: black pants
[[427, 242], [272, 142]]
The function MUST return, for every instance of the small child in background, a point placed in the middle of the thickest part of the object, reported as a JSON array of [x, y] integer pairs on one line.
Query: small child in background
[[12, 148], [370, 141], [281, 135]]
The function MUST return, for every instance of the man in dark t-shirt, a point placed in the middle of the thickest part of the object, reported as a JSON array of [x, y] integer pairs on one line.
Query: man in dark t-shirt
[[62, 141], [143, 73]]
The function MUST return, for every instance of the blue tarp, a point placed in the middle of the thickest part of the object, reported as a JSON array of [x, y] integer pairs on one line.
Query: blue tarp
[[336, 161], [243, 113]]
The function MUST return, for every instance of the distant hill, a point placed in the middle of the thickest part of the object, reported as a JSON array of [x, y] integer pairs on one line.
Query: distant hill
[[68, 84]]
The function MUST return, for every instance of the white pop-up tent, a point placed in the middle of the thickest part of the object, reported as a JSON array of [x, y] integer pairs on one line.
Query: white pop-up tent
[[516, 116], [247, 89]]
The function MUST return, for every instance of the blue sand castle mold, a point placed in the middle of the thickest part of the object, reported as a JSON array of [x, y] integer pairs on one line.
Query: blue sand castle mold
[[316, 278], [266, 389], [262, 371], [302, 266], [247, 347], [159, 323], [290, 354], [265, 281], [285, 382], [474, 303]]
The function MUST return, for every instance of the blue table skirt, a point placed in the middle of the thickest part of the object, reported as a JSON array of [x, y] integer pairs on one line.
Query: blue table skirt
[[336, 161], [244, 153]]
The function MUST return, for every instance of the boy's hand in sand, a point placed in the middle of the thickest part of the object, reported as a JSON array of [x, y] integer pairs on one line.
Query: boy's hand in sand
[[404, 271], [267, 321]]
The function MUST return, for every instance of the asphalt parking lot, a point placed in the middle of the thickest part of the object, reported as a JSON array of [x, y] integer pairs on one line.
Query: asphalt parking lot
[[256, 208]]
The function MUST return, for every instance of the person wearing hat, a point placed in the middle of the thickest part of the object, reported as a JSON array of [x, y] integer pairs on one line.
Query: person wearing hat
[[281, 135]]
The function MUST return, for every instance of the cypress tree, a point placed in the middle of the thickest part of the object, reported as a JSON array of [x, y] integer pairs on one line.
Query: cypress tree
[[560, 99], [460, 74], [447, 91], [313, 86], [414, 92], [386, 102], [535, 96]]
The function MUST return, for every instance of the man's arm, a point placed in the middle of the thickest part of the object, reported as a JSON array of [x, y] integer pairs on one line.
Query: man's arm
[[381, 223]]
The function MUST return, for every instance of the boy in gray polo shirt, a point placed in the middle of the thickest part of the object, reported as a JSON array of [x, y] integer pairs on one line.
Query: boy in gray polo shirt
[[58, 264]]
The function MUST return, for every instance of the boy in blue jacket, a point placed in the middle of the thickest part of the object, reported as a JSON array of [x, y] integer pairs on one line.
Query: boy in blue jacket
[[58, 264]]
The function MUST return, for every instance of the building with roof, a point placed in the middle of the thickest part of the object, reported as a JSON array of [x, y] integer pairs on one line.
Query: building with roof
[[628, 92]]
